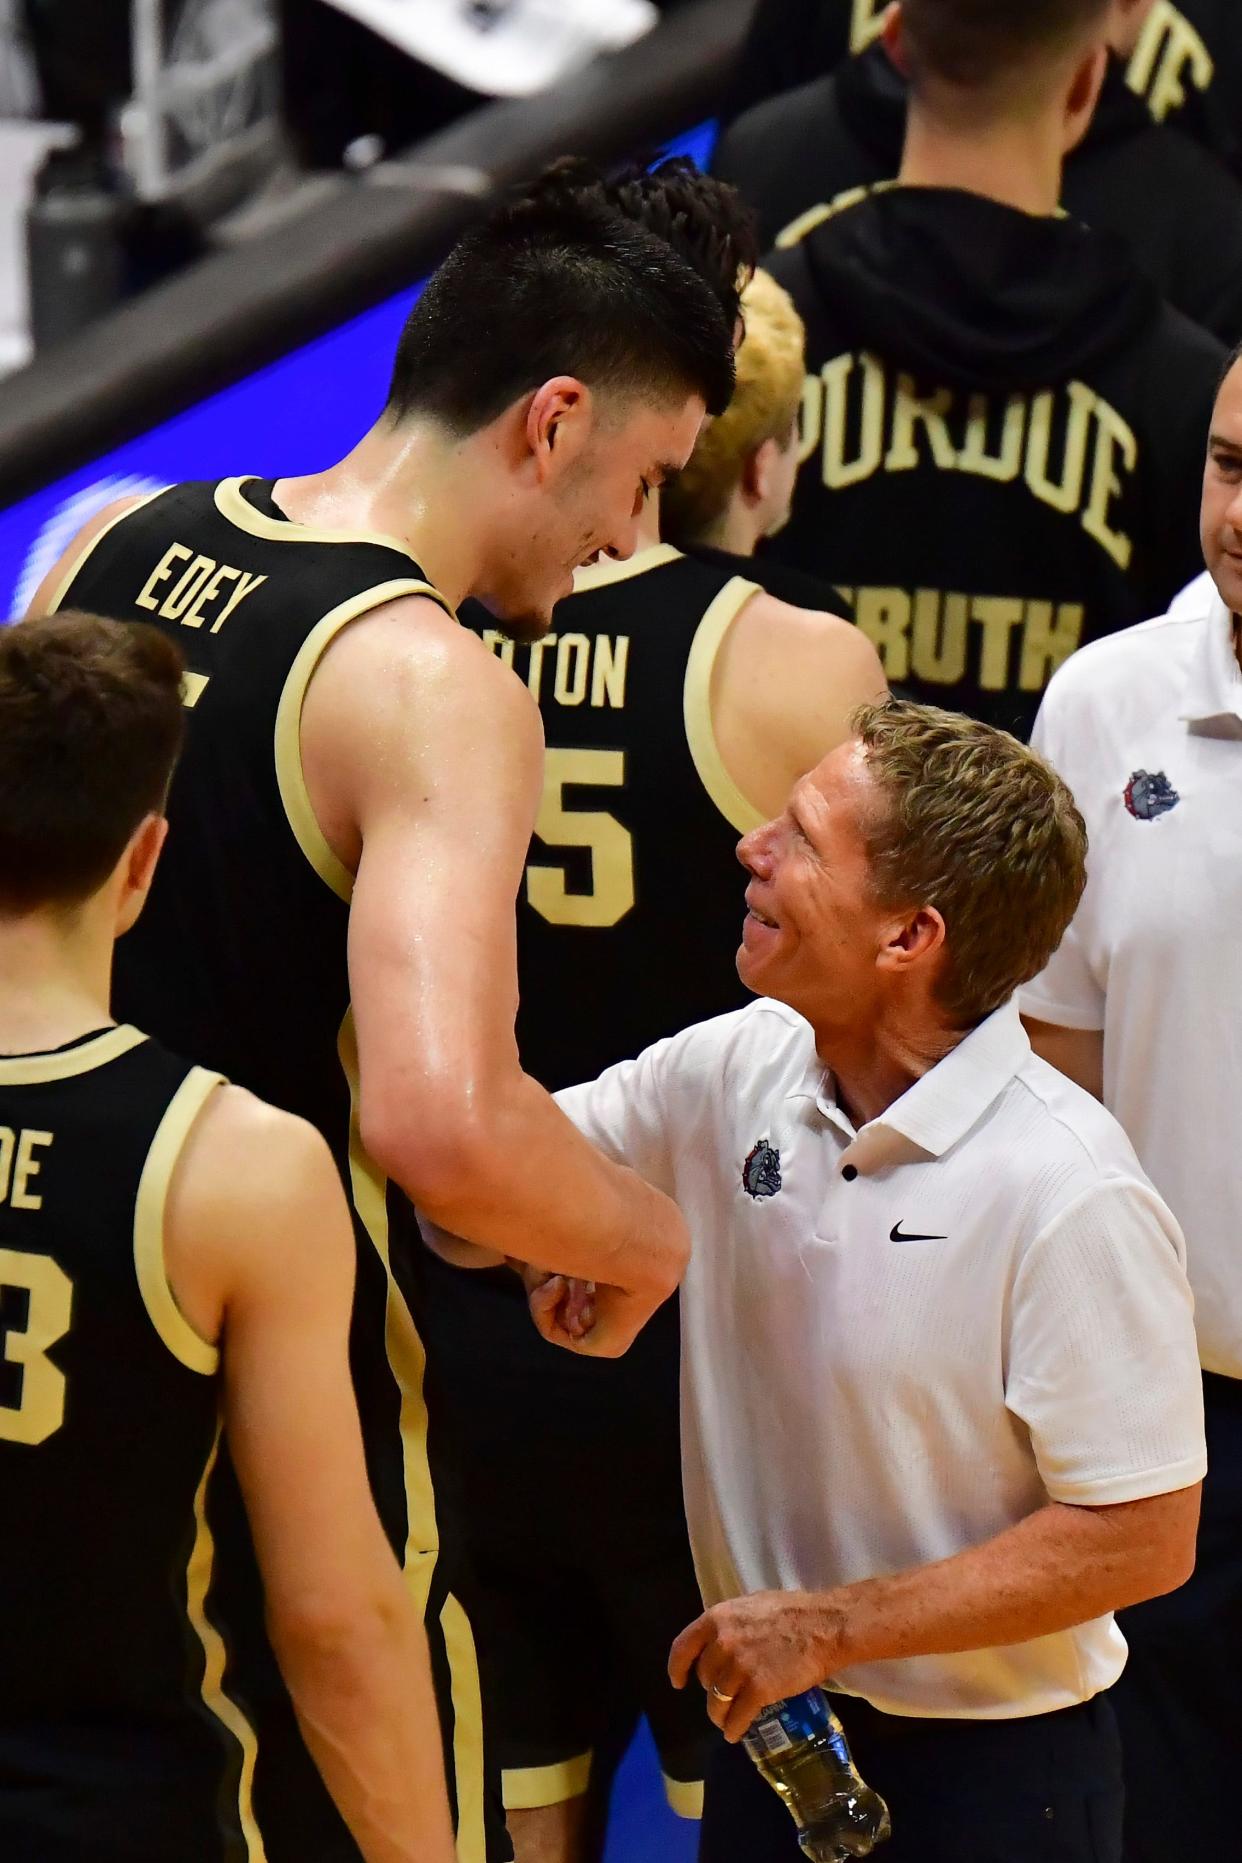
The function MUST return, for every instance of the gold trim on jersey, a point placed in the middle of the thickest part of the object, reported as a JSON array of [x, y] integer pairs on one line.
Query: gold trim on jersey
[[797, 230], [232, 504], [718, 618], [467, 1732], [530, 1788], [685, 1797], [198, 1577], [70, 576], [185, 1344], [290, 779], [408, 1361], [608, 570], [34, 1070]]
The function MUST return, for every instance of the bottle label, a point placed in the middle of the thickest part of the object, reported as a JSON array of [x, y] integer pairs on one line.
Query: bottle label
[[768, 1738]]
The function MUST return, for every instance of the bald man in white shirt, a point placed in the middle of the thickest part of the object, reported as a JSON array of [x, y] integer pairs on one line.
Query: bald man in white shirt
[[1142, 1004], [941, 1403]]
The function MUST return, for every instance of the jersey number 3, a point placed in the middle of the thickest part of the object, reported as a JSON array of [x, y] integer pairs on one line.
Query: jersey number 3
[[32, 1389], [609, 844]]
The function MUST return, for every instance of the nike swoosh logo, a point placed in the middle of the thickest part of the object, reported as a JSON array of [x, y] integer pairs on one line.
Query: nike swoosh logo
[[898, 1234]]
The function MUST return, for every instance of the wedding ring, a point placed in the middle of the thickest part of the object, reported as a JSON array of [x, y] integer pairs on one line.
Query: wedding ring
[[720, 1694]]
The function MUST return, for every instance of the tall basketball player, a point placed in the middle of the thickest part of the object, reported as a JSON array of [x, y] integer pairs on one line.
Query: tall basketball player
[[335, 926], [174, 1256], [681, 700]]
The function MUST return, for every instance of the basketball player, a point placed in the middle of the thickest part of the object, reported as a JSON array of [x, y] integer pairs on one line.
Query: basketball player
[[680, 701], [998, 402], [334, 927], [174, 1255], [1175, 205]]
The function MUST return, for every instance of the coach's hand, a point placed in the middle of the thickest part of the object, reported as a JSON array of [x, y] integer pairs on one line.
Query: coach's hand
[[753, 1651], [563, 1309]]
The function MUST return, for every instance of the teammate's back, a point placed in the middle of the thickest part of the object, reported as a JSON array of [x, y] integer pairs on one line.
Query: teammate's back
[[175, 1258], [1003, 425]]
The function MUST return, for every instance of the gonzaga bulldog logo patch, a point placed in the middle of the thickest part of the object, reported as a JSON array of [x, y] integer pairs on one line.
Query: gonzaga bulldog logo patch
[[761, 1173], [1148, 794]]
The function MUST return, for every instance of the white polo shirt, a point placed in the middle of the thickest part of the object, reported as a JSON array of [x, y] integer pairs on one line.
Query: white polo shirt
[[898, 1342], [1146, 728]]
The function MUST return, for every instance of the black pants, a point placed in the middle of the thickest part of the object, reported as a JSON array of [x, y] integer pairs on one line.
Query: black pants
[[1041, 1790], [1179, 1700]]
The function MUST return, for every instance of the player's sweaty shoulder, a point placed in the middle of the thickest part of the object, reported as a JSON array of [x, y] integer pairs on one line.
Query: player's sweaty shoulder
[[786, 683], [47, 591]]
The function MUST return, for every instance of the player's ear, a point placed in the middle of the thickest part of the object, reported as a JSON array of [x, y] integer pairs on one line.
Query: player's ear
[[894, 37], [759, 472], [1084, 94], [137, 869], [558, 419]]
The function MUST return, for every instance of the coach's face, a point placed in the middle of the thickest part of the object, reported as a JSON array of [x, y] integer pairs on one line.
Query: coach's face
[[813, 933], [1220, 521]]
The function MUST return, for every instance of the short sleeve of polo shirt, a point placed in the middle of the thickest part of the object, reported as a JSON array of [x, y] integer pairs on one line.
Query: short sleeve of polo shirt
[[1065, 992], [625, 1113], [1103, 1362]]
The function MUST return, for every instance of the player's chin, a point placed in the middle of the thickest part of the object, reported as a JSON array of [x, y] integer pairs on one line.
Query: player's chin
[[526, 624]]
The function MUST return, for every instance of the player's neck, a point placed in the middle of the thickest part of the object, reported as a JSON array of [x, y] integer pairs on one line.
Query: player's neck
[[1018, 164], [410, 482], [649, 524], [738, 530], [55, 981]]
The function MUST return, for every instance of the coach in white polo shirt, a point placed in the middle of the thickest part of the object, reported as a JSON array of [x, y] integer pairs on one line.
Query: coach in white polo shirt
[[941, 1406], [1143, 1004]]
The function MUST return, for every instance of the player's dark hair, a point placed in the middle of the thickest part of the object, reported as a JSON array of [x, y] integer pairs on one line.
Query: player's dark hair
[[974, 42], [90, 727], [1229, 365], [559, 284], [705, 221]]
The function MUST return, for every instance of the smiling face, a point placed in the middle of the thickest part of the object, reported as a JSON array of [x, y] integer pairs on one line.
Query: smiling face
[[813, 932], [578, 494], [1220, 518]]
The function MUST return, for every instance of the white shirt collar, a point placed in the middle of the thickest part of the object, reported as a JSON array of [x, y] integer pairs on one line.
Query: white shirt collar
[[1213, 685], [943, 1104]]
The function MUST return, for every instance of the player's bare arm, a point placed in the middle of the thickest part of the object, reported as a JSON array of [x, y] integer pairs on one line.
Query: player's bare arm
[[424, 761], [1077, 1053], [260, 1255], [46, 596], [784, 686]]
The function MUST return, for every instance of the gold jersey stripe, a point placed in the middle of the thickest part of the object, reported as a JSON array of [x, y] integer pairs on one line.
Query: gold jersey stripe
[[198, 1583], [232, 504], [192, 688], [369, 1190], [530, 1788], [697, 705], [33, 1070], [806, 223], [608, 570], [290, 778], [467, 1732], [67, 580], [194, 1352], [685, 1796]]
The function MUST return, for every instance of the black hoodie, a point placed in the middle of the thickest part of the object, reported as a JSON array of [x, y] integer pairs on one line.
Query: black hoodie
[[1004, 430], [1178, 210], [1187, 65]]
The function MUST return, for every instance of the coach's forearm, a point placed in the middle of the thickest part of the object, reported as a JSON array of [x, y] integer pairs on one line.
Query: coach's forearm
[[511, 1173], [1059, 1567]]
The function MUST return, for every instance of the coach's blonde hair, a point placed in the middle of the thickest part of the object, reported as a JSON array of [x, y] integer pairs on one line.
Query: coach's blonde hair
[[977, 825], [771, 364]]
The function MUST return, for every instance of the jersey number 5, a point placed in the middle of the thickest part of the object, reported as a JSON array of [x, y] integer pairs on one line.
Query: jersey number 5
[[32, 1389], [609, 844]]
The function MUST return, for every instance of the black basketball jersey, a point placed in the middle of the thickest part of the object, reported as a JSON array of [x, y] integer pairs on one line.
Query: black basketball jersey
[[240, 957], [1003, 437], [116, 1739], [631, 908], [629, 920]]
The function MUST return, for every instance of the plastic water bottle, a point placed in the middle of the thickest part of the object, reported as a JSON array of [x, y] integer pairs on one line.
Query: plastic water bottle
[[800, 1748]]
